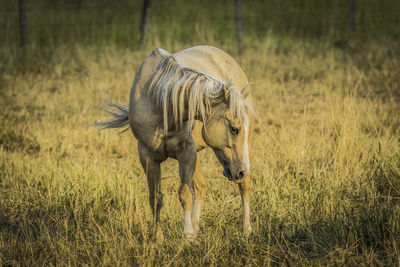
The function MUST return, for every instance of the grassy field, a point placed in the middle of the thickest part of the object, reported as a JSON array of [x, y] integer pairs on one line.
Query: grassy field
[[326, 162]]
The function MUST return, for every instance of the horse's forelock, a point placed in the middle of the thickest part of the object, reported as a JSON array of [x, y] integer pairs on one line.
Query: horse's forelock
[[237, 103]]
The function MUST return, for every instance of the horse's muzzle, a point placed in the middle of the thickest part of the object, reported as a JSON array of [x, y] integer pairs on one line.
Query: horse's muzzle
[[238, 178]]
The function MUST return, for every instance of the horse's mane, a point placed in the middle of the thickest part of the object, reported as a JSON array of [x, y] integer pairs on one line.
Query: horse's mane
[[173, 85]]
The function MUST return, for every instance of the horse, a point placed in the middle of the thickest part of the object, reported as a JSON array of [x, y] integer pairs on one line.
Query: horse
[[180, 104]]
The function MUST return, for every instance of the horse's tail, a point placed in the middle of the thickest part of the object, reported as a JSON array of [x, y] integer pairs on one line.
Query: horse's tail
[[119, 119]]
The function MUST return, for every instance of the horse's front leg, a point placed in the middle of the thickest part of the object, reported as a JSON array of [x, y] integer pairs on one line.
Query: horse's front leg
[[199, 184], [245, 192], [187, 163]]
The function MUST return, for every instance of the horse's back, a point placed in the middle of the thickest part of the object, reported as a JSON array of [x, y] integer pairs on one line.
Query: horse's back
[[212, 61]]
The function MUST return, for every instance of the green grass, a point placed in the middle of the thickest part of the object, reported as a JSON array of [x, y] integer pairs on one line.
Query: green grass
[[326, 152]]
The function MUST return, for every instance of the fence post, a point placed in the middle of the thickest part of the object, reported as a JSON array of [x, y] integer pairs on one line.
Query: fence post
[[23, 34], [239, 22], [144, 20], [352, 17]]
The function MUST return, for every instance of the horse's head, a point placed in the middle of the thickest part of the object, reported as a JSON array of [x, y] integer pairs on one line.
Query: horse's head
[[227, 132]]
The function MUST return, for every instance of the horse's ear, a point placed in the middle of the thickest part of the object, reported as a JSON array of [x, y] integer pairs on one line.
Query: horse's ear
[[227, 95], [245, 91], [160, 53]]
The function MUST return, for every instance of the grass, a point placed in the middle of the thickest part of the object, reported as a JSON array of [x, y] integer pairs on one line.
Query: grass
[[326, 157]]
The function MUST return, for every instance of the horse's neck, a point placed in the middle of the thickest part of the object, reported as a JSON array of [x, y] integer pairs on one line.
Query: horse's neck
[[185, 123], [182, 93]]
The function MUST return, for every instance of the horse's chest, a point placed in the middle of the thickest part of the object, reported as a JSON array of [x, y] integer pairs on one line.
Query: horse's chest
[[174, 145]]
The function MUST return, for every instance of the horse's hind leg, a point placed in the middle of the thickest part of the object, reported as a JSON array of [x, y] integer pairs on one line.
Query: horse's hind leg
[[199, 184], [245, 192], [187, 164], [153, 173]]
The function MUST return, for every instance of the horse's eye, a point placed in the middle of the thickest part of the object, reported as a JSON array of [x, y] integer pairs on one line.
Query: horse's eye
[[234, 130]]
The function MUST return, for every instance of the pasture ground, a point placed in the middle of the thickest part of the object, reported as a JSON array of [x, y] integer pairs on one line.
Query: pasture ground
[[326, 159]]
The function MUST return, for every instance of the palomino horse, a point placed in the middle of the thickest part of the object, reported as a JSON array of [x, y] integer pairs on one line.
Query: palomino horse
[[179, 104]]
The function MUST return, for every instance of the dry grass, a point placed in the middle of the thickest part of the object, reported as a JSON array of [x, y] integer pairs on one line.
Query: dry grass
[[326, 162]]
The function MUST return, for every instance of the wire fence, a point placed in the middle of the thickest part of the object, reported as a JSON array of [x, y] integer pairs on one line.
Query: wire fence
[[63, 21]]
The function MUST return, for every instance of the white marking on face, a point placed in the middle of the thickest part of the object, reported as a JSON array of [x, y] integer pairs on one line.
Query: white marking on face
[[246, 157]]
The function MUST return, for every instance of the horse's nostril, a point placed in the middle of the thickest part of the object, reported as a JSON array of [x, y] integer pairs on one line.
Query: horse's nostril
[[227, 173], [240, 174]]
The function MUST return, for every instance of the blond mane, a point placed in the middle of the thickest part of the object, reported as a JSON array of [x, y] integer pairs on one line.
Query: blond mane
[[174, 85]]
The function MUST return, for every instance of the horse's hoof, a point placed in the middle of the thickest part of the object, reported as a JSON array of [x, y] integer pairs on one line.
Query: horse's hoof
[[190, 237], [195, 227], [247, 230], [158, 235]]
